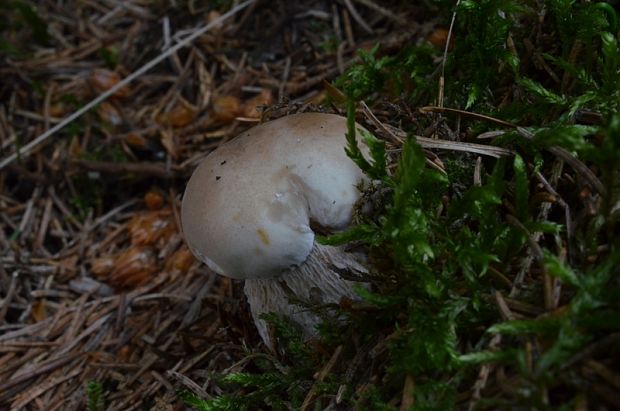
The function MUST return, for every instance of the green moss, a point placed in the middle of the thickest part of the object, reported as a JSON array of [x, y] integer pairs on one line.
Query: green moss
[[94, 393]]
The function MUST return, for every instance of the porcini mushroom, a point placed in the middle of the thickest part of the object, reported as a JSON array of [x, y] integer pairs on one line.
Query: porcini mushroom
[[248, 207]]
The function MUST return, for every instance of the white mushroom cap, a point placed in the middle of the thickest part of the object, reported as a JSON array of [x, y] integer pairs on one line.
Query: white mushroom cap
[[247, 208]]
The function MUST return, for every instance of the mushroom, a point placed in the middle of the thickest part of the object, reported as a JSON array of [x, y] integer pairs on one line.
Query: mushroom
[[248, 208]]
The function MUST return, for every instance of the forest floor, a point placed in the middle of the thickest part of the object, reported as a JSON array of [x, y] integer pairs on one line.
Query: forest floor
[[102, 306]]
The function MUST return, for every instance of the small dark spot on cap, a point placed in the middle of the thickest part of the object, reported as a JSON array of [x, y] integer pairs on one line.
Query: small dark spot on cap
[[217, 178], [223, 162], [334, 202]]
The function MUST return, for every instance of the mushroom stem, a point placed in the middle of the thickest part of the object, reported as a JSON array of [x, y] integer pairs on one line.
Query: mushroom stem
[[315, 281]]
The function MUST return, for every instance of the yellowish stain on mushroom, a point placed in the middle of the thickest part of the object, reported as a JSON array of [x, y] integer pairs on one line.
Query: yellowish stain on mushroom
[[264, 237], [237, 218]]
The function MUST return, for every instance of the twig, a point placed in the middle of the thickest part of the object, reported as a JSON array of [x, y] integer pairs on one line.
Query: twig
[[146, 169], [383, 11], [348, 30], [604, 372], [562, 203], [478, 172], [532, 238], [574, 162], [534, 252], [408, 399], [44, 224], [357, 17], [189, 383], [483, 375], [516, 305], [9, 296], [320, 377], [502, 305], [285, 76], [194, 309], [603, 345], [371, 116], [445, 58]]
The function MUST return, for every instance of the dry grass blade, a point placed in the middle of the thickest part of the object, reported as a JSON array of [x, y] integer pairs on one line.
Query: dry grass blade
[[320, 377], [571, 160], [444, 59], [575, 163], [399, 136], [457, 145], [468, 114], [465, 147]]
